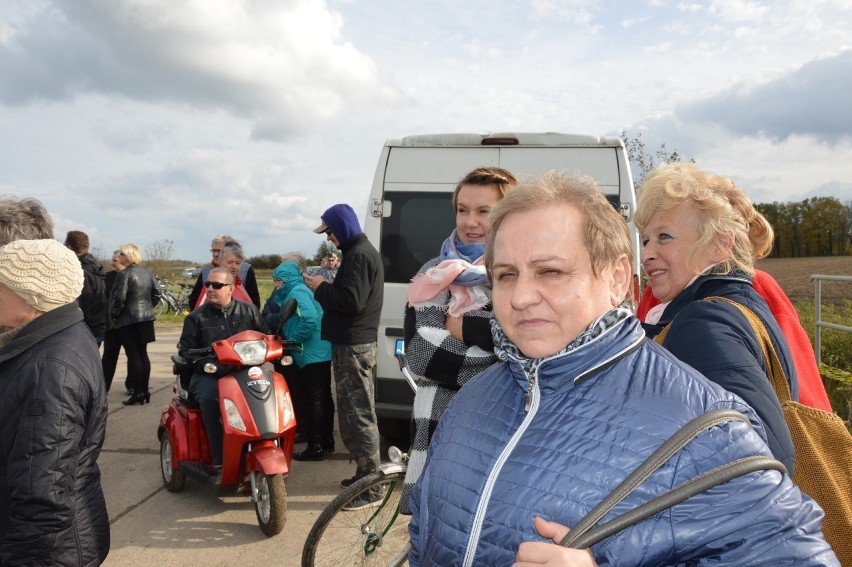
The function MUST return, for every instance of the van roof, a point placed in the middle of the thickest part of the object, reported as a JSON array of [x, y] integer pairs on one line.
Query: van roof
[[506, 139]]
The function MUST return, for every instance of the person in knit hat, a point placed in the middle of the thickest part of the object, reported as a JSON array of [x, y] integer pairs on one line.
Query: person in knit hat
[[53, 410]]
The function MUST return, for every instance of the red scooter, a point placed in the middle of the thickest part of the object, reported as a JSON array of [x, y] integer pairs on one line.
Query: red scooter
[[257, 417]]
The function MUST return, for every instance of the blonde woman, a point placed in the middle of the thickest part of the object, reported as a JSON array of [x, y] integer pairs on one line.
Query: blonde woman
[[131, 311]]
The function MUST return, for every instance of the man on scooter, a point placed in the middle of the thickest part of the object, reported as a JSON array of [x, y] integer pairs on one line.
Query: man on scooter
[[219, 318]]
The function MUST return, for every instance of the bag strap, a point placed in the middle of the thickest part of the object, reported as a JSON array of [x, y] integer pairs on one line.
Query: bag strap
[[584, 534], [661, 336], [774, 369]]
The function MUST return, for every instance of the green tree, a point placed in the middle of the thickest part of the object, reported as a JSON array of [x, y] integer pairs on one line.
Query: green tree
[[323, 251], [642, 161]]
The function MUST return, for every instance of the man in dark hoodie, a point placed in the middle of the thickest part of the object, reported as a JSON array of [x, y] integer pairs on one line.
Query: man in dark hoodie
[[352, 306], [93, 300]]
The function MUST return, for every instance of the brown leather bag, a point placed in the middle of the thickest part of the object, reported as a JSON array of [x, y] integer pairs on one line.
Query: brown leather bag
[[823, 448]]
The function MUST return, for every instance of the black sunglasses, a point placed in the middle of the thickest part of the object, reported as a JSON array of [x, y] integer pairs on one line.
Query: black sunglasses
[[327, 231], [216, 285]]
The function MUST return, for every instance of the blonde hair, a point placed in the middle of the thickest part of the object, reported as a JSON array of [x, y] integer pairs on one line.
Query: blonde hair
[[723, 207], [131, 252], [501, 178], [605, 232]]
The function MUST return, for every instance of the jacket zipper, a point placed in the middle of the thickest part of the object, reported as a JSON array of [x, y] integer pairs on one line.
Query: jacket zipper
[[528, 400], [533, 396]]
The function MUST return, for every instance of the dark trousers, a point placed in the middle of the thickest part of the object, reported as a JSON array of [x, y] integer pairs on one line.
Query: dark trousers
[[109, 359], [205, 389], [134, 339], [317, 407]]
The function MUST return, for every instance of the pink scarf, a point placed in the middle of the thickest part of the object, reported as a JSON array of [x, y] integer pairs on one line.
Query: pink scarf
[[427, 286]]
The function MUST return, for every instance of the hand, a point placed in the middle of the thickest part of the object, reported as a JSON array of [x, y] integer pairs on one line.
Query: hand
[[313, 282], [540, 553], [454, 326]]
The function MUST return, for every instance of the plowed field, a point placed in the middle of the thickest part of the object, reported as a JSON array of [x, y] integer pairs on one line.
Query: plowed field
[[793, 274]]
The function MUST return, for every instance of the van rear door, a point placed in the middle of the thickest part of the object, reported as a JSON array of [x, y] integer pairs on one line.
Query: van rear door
[[411, 214]]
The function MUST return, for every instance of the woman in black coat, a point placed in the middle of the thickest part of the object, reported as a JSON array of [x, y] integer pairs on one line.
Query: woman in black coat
[[53, 410], [131, 310]]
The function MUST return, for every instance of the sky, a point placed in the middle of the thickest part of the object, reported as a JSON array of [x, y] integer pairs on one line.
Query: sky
[[150, 120]]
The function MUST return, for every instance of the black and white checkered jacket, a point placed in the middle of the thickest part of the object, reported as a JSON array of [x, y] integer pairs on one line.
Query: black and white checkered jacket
[[443, 364]]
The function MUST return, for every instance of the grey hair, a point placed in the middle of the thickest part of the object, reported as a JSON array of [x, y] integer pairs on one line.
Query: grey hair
[[24, 219], [297, 258], [234, 249]]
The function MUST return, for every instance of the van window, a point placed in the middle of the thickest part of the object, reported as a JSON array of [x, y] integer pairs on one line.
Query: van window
[[413, 233]]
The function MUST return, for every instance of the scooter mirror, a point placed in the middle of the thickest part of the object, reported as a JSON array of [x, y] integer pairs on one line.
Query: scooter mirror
[[287, 310]]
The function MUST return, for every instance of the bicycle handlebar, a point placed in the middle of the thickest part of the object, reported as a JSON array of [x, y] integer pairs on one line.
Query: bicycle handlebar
[[403, 367]]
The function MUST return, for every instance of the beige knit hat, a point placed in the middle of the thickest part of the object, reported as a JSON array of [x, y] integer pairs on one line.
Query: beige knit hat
[[44, 273]]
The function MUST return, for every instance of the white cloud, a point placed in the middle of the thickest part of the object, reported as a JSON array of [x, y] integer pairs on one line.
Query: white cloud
[[148, 119], [285, 66]]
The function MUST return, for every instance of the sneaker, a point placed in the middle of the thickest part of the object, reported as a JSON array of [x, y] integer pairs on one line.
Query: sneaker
[[347, 482], [364, 501]]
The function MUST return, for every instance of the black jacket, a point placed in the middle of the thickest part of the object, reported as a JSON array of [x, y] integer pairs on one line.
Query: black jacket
[[209, 324], [352, 304], [134, 294], [93, 299], [716, 339], [53, 410]]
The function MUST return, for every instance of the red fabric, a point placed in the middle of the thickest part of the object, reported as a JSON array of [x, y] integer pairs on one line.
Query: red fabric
[[239, 293], [811, 389]]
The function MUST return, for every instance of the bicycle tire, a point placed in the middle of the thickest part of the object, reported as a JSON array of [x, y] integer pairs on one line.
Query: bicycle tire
[[161, 307], [341, 537]]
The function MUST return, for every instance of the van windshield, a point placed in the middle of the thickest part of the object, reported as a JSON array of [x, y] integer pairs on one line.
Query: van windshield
[[413, 233]]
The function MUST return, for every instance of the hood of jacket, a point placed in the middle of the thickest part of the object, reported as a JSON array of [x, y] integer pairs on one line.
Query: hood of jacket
[[343, 222], [289, 273], [90, 264]]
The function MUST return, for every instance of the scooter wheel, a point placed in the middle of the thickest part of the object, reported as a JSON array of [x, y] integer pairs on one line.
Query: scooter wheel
[[172, 478], [270, 502]]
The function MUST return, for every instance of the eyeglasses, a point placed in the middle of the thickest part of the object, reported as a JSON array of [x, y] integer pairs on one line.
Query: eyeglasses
[[215, 250], [327, 231], [216, 285]]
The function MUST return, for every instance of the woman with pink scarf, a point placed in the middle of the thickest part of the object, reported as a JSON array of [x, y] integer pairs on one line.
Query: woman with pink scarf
[[447, 317]]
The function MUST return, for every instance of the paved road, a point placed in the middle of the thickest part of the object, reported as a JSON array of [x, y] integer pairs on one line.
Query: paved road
[[151, 526]]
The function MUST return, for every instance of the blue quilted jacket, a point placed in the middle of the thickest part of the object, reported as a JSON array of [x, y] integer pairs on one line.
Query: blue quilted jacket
[[594, 415]]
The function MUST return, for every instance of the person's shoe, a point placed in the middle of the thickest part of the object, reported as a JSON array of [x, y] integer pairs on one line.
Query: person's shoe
[[347, 482], [300, 438], [363, 501], [314, 452], [216, 474], [137, 399], [328, 444]]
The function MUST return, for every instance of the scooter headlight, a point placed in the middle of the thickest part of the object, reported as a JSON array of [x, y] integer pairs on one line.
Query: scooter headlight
[[251, 352], [235, 420]]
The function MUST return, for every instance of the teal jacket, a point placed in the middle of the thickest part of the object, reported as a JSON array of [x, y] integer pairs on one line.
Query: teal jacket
[[305, 324]]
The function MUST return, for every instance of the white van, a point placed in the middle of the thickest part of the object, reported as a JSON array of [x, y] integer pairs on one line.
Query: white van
[[410, 214]]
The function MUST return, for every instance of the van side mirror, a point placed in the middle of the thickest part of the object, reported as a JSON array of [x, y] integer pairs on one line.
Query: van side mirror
[[287, 311]]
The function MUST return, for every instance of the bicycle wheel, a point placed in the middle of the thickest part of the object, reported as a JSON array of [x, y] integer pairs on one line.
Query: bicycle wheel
[[371, 535], [161, 307]]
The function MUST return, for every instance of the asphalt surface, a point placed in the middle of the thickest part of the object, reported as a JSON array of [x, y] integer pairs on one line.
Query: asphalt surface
[[151, 526]]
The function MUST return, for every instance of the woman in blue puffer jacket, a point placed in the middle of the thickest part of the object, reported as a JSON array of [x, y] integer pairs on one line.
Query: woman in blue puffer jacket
[[312, 366], [579, 400]]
